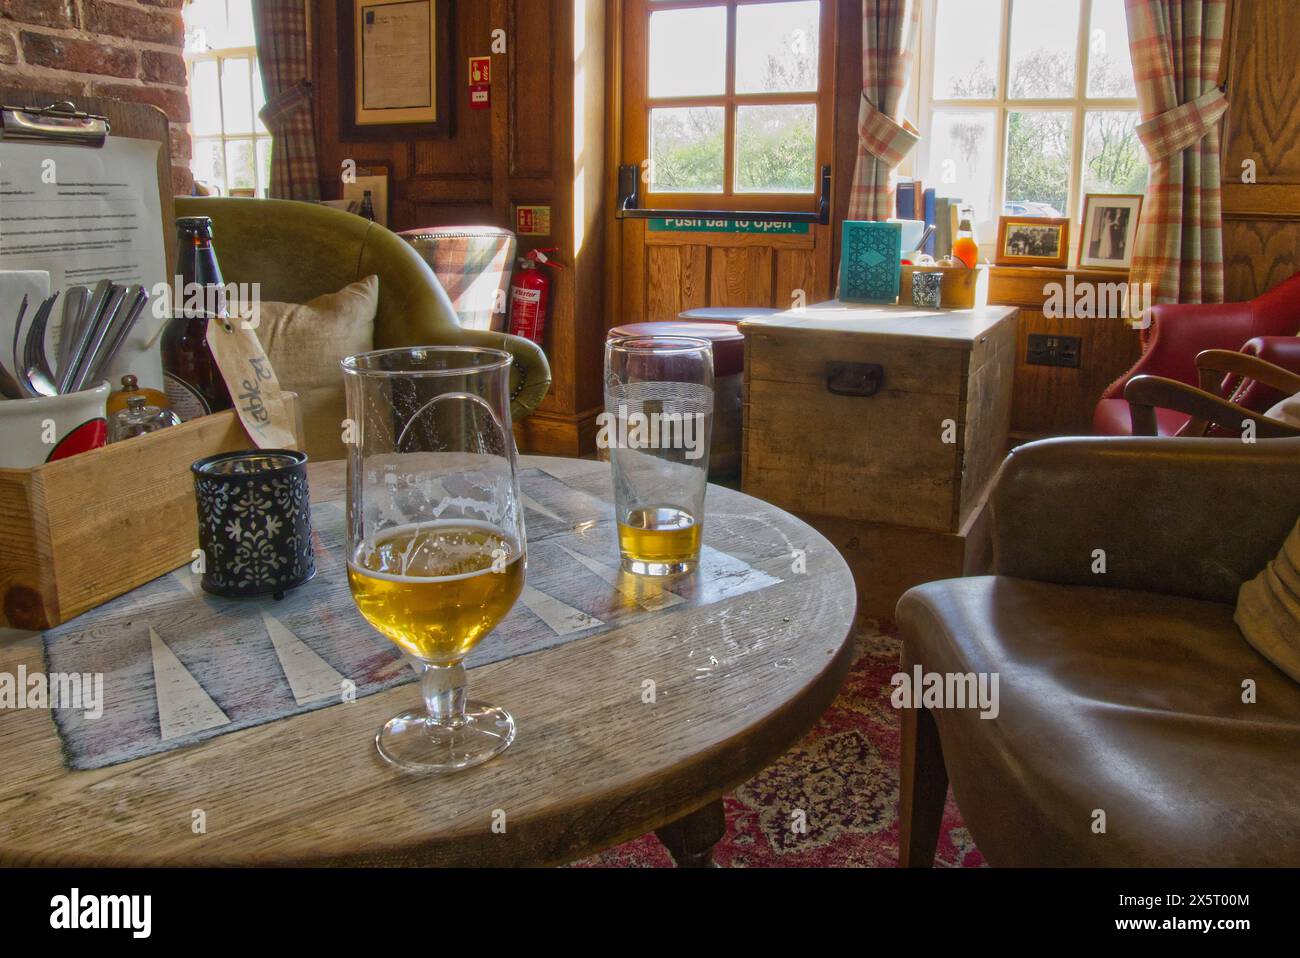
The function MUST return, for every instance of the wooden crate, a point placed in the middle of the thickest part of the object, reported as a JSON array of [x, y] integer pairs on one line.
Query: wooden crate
[[83, 530], [960, 288], [874, 471], [886, 560]]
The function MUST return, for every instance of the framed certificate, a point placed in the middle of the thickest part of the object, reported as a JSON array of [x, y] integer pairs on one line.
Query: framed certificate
[[395, 68]]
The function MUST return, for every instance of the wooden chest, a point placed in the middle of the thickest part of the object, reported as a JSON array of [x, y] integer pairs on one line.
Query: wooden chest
[[883, 427]]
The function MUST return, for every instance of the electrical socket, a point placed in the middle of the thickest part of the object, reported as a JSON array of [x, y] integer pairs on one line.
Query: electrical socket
[[1044, 350]]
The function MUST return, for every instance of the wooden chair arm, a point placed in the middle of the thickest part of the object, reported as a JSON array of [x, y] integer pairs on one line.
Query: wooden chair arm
[[1214, 364], [1145, 393]]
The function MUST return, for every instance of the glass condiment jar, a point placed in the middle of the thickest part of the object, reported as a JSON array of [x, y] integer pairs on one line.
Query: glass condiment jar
[[139, 418], [131, 387]]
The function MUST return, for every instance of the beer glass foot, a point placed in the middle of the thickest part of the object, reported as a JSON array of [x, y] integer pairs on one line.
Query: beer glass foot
[[642, 567], [414, 743]]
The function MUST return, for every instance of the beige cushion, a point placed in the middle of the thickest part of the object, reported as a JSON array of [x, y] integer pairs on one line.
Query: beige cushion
[[1268, 608], [305, 344]]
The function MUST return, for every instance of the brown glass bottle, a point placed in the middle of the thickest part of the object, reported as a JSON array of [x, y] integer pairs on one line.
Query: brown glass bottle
[[191, 378]]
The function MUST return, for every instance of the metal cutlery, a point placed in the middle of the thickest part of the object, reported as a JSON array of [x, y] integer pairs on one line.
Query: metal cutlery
[[18, 331], [95, 326], [35, 369], [133, 303], [115, 312], [89, 319], [74, 311], [9, 387], [9, 384], [36, 337], [95, 338]]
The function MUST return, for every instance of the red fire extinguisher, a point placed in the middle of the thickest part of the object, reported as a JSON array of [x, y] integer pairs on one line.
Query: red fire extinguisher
[[530, 295]]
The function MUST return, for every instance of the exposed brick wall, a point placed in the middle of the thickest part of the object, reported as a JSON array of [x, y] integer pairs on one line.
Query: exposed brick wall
[[123, 49]]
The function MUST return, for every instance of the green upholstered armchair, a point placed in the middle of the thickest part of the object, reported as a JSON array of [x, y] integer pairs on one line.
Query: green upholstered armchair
[[298, 251]]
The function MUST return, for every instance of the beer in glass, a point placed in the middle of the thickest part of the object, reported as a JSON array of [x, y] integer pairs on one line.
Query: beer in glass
[[436, 545], [656, 427]]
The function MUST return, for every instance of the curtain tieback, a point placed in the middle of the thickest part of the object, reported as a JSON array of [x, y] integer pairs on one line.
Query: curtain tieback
[[286, 103], [882, 136], [1183, 126]]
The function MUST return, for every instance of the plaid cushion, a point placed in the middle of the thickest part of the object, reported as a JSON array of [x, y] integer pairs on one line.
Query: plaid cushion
[[474, 264]]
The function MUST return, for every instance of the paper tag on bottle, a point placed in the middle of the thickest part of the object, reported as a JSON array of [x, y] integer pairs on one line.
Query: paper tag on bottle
[[252, 384]]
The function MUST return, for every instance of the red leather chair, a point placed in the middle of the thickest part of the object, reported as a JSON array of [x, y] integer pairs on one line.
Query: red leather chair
[[1265, 326]]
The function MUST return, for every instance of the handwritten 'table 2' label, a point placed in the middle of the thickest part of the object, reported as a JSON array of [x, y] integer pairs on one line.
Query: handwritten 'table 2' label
[[251, 381]]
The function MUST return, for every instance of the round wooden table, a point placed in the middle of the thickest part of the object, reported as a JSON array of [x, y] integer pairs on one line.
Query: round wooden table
[[642, 728]]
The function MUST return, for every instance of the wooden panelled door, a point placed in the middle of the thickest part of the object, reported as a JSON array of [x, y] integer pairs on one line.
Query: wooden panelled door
[[726, 105]]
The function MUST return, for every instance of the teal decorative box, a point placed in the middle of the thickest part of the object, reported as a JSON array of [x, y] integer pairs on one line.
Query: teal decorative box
[[870, 254]]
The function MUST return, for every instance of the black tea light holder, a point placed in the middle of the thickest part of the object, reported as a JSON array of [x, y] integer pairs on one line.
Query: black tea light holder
[[254, 522]]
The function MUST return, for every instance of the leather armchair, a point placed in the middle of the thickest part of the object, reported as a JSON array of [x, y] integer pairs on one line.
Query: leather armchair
[[1119, 692], [298, 251], [1179, 332]]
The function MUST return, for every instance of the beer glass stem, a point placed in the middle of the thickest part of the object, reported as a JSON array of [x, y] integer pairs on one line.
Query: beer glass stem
[[444, 694]]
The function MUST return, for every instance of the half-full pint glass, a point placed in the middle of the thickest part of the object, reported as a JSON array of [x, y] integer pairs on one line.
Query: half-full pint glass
[[656, 426]]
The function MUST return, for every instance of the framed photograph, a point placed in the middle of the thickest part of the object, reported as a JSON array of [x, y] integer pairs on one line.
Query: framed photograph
[[395, 74], [1110, 222], [1033, 241]]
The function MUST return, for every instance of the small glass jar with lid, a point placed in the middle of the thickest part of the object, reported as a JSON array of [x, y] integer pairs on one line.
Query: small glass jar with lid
[[138, 419]]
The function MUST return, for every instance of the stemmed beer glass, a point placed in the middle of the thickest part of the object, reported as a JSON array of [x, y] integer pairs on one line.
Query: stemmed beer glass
[[436, 547]]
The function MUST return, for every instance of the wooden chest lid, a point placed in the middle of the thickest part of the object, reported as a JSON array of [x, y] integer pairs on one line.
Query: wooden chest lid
[[949, 328]]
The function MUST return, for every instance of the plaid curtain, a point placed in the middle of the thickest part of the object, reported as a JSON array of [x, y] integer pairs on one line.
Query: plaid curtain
[[1176, 46], [889, 31], [281, 30]]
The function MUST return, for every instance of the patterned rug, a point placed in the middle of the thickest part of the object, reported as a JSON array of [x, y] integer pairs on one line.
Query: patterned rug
[[843, 775]]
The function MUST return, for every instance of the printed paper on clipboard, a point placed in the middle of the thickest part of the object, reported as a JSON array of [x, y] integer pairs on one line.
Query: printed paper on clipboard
[[86, 214]]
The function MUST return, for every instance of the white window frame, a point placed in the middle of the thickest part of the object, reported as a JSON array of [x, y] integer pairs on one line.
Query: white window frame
[[220, 56], [1002, 106]]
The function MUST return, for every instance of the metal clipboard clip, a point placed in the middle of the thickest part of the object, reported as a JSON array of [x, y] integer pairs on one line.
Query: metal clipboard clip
[[59, 123]]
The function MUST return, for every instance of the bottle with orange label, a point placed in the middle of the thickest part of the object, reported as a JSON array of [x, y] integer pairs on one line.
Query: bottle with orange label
[[965, 247]]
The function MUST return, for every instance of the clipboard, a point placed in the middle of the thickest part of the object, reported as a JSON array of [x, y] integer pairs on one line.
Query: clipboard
[[37, 117]]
